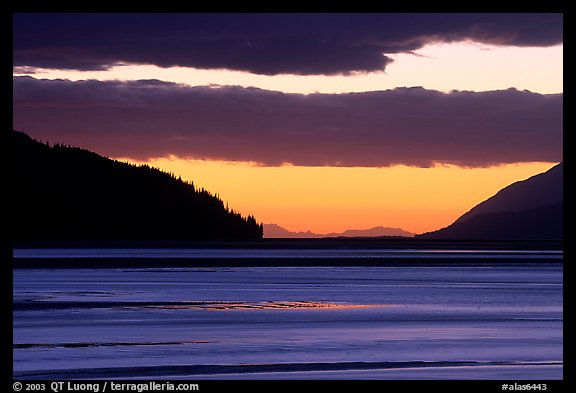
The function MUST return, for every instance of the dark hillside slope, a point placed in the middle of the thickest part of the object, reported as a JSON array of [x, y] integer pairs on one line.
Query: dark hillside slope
[[542, 223], [67, 193], [541, 190], [528, 209]]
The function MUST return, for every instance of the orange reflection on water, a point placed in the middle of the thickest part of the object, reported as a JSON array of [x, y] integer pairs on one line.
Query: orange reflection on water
[[267, 305]]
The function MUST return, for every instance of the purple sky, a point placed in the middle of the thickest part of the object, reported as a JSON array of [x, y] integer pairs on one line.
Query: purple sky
[[150, 118], [412, 126], [262, 43]]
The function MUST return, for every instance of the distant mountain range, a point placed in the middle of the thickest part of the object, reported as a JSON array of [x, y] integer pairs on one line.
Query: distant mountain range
[[276, 231], [528, 209], [67, 193]]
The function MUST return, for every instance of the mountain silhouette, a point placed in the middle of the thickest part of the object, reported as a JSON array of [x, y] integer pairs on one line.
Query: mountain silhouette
[[276, 231], [67, 193], [528, 209]]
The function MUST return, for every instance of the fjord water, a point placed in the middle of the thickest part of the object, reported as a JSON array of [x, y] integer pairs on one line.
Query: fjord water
[[446, 321]]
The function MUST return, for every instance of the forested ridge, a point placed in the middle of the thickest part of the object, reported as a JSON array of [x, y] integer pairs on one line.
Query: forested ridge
[[62, 192]]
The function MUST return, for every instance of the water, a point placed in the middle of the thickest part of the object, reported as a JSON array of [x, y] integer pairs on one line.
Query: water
[[496, 321], [251, 253]]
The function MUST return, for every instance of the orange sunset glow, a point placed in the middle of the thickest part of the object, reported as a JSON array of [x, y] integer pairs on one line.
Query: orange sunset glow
[[331, 199]]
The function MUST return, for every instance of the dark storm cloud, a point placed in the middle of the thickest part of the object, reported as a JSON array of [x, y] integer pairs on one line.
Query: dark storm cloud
[[260, 43], [411, 126]]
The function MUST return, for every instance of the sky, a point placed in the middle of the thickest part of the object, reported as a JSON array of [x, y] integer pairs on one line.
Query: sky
[[321, 122]]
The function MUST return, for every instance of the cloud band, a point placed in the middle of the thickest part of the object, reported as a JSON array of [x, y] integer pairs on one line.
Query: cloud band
[[261, 43], [411, 126]]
